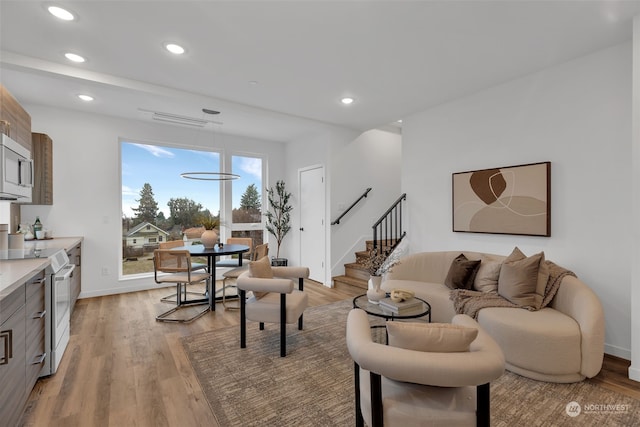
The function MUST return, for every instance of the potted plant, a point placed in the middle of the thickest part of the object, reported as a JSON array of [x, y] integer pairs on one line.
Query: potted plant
[[210, 236], [378, 263], [278, 216]]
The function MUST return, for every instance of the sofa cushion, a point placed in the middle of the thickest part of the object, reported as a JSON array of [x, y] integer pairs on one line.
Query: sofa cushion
[[462, 273], [519, 277], [545, 341], [431, 337], [488, 273]]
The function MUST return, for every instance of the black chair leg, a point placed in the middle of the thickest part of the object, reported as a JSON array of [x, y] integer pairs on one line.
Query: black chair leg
[[243, 320], [300, 322], [283, 325], [262, 326], [376, 400], [483, 405], [356, 376]]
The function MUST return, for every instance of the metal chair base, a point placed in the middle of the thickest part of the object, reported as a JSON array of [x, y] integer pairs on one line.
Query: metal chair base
[[180, 303]]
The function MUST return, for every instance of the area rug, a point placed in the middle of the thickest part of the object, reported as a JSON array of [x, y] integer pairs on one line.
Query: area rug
[[313, 384]]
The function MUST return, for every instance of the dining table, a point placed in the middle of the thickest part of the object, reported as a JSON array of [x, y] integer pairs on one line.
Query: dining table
[[212, 254]]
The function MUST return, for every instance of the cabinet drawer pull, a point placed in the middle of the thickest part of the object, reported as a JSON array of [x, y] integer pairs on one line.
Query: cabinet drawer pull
[[38, 282], [39, 359], [8, 346], [40, 314]]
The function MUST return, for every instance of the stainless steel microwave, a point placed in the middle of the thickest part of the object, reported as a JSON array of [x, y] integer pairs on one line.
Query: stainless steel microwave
[[16, 170]]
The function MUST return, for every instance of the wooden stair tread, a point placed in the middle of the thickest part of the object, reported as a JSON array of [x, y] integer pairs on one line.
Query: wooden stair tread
[[350, 281]]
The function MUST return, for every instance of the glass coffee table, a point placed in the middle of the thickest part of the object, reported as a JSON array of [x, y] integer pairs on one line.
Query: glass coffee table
[[421, 310]]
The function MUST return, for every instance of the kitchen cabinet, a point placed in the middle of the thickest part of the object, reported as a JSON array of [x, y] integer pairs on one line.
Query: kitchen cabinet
[[75, 257], [22, 346], [42, 153], [14, 120], [13, 392], [35, 328]]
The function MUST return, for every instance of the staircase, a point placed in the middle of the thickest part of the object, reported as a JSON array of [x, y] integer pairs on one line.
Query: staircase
[[355, 273]]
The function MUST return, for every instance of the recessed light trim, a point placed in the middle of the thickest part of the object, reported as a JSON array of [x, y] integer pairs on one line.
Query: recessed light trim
[[86, 98], [347, 100], [176, 49], [61, 13], [74, 57]]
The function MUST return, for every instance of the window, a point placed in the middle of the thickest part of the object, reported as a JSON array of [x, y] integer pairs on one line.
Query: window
[[158, 205]]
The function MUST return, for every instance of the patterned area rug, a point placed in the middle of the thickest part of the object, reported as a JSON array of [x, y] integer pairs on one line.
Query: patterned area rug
[[313, 385]]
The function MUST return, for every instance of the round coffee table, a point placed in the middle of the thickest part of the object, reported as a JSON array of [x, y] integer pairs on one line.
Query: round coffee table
[[421, 310]]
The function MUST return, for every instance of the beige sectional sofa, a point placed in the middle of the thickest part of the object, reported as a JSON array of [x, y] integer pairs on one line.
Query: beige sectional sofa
[[563, 342]]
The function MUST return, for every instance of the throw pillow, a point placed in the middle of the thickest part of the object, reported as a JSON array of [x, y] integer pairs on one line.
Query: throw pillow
[[431, 337], [487, 276], [519, 278], [462, 273], [262, 270]]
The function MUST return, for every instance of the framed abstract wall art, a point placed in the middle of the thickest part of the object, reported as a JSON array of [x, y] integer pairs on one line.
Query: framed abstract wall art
[[507, 200]]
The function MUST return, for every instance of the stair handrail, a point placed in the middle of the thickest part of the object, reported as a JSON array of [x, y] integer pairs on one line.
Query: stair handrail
[[364, 195], [391, 222]]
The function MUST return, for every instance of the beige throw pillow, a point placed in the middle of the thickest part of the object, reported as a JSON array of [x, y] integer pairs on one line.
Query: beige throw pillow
[[487, 276], [431, 337], [262, 270], [521, 279], [462, 273]]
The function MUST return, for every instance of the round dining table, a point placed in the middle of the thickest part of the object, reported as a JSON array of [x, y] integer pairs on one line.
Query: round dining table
[[212, 254]]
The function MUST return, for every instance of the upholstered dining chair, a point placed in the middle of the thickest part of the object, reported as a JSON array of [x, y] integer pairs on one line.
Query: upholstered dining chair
[[274, 299], [259, 252], [174, 266], [235, 262], [195, 266], [429, 374]]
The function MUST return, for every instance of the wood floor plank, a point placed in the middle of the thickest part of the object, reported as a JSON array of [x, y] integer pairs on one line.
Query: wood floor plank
[[122, 368]]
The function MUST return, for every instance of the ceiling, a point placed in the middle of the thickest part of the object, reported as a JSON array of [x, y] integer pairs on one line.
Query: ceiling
[[277, 69]]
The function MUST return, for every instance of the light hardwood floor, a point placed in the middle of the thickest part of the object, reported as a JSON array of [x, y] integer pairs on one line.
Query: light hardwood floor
[[122, 368]]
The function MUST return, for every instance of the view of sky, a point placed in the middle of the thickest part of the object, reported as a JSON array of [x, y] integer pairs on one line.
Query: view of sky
[[161, 168]]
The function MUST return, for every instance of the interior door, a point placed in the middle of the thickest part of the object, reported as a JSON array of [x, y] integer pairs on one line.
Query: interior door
[[312, 223]]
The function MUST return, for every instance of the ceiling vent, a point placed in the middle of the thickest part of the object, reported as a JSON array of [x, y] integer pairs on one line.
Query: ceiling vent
[[178, 119]]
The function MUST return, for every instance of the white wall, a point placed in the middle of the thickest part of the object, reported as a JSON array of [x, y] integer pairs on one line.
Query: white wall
[[86, 183], [578, 116], [634, 369], [371, 160], [313, 150]]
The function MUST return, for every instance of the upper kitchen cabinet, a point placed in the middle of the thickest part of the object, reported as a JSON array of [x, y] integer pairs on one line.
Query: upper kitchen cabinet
[[42, 153], [14, 120]]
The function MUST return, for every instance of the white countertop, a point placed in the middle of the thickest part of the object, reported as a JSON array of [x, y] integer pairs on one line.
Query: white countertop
[[15, 272]]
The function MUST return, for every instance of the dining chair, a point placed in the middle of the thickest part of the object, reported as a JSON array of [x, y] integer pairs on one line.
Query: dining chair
[[195, 266], [259, 252], [235, 262], [174, 266]]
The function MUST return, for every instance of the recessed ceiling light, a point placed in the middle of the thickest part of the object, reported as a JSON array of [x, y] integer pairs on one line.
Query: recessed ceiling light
[[86, 97], [253, 82], [174, 48], [347, 100], [399, 121], [73, 57], [61, 13]]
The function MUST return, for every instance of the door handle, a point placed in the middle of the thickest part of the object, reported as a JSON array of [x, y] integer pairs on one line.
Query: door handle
[[8, 346], [301, 228]]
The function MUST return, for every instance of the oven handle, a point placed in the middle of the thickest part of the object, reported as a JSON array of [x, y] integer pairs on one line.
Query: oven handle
[[68, 272]]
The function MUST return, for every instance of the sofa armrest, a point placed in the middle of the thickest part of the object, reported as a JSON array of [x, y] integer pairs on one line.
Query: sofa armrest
[[577, 300], [255, 284], [484, 363]]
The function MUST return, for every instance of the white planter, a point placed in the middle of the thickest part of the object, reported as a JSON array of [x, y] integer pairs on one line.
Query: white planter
[[209, 238]]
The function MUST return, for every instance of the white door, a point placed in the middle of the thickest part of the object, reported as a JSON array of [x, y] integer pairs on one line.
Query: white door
[[312, 223]]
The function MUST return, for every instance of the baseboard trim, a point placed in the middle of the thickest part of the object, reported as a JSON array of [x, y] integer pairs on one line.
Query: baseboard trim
[[620, 352]]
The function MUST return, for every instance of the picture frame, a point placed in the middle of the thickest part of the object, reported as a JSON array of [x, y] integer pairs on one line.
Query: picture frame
[[506, 200]]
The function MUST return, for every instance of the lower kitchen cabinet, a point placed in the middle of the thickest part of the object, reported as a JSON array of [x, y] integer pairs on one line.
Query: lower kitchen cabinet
[[22, 346], [13, 392]]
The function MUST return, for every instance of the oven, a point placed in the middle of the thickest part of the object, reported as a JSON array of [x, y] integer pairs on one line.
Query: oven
[[58, 305]]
